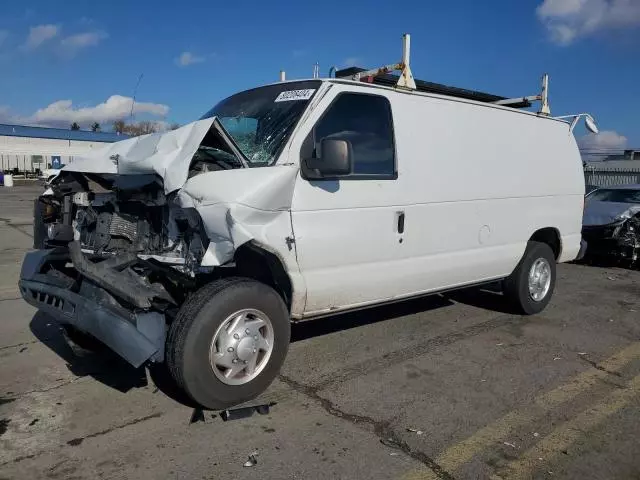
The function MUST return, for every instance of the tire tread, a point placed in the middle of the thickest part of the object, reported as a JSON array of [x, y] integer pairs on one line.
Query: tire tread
[[179, 328]]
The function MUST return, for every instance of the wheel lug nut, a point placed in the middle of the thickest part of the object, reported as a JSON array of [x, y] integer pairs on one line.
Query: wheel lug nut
[[236, 336], [256, 338], [230, 349], [245, 362], [235, 360], [255, 350], [247, 331]]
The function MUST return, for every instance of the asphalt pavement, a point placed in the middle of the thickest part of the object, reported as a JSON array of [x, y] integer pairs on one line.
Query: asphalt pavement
[[451, 386]]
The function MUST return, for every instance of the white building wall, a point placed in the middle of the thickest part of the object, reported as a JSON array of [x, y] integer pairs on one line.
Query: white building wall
[[20, 151]]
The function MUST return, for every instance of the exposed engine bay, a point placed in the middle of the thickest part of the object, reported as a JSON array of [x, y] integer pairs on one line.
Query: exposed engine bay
[[125, 233], [122, 234], [619, 240], [111, 216]]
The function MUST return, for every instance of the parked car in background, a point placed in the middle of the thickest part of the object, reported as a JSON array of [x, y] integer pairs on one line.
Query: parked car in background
[[611, 222]]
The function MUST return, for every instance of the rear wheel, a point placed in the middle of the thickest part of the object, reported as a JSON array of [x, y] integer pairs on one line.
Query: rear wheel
[[228, 342], [530, 287]]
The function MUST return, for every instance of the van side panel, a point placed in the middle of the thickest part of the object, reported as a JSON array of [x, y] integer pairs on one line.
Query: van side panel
[[482, 180], [474, 182]]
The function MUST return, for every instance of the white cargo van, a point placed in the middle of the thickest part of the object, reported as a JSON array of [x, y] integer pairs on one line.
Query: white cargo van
[[198, 246]]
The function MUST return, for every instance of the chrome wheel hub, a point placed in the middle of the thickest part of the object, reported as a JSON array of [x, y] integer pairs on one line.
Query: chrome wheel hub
[[539, 279], [241, 347]]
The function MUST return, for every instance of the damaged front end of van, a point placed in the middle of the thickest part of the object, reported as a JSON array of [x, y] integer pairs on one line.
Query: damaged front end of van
[[126, 234]]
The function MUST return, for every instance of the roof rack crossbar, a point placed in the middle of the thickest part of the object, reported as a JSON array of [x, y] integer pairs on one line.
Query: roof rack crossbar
[[382, 76], [406, 77], [543, 98]]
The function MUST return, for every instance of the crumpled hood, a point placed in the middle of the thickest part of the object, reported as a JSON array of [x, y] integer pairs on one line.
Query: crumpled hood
[[167, 154], [603, 213]]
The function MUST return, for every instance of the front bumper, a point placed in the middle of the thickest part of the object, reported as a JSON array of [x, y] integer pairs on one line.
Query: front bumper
[[615, 239], [135, 336], [583, 250]]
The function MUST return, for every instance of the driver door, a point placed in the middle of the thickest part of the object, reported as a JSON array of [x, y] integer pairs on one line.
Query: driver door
[[348, 231]]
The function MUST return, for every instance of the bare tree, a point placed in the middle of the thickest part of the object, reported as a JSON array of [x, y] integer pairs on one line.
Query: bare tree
[[95, 127], [75, 126], [119, 126], [135, 129]]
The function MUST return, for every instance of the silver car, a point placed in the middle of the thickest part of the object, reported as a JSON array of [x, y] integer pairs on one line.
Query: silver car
[[611, 222]]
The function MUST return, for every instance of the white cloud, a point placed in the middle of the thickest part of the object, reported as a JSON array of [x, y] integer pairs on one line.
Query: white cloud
[[81, 40], [568, 20], [72, 44], [187, 58], [596, 146], [117, 107], [40, 34]]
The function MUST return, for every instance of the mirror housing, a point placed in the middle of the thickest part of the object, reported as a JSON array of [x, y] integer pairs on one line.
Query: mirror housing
[[336, 159], [590, 123]]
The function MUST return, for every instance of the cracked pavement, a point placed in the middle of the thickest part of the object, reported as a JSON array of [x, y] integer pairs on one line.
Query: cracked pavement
[[445, 387]]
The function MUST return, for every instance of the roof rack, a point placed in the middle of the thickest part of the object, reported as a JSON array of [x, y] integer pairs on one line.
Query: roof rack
[[382, 76]]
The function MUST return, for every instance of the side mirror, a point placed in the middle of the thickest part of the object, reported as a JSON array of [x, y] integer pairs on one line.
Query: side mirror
[[336, 158], [590, 123]]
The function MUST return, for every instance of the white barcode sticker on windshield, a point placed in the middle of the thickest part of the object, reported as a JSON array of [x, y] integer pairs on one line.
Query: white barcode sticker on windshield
[[290, 95]]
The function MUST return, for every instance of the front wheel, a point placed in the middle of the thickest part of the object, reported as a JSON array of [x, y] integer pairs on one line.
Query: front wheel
[[530, 287], [228, 342]]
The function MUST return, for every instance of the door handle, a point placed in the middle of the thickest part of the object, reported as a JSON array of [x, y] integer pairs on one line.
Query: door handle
[[400, 216]]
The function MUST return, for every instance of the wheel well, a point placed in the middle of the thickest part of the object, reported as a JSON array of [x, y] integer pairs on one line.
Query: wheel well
[[255, 262], [551, 237]]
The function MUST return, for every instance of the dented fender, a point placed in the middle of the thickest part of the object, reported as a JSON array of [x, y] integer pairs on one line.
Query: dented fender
[[237, 206]]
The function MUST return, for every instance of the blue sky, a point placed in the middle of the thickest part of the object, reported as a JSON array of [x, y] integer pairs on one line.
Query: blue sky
[[76, 60]]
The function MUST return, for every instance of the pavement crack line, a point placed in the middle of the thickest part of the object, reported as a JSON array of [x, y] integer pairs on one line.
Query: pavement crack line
[[48, 389], [10, 298], [399, 356], [22, 458], [77, 441], [15, 227], [382, 429], [19, 344], [599, 367]]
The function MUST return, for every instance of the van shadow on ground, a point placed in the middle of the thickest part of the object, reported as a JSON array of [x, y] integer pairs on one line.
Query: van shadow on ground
[[488, 297], [345, 321], [109, 369], [103, 365]]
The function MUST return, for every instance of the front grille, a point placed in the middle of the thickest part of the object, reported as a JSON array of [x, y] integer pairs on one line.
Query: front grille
[[59, 303], [124, 227]]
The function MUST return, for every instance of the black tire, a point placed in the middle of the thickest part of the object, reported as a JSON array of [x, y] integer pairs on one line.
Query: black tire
[[516, 286], [192, 331]]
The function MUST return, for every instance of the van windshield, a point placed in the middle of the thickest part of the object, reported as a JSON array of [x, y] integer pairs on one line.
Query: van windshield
[[617, 195], [261, 120]]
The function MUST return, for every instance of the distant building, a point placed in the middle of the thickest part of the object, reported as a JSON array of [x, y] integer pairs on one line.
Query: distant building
[[612, 172], [626, 155], [31, 148]]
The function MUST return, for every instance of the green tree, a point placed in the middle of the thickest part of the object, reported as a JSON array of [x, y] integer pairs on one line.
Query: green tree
[[95, 127], [75, 126]]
